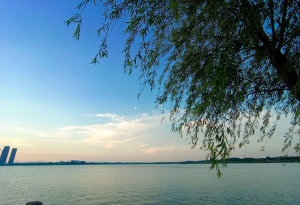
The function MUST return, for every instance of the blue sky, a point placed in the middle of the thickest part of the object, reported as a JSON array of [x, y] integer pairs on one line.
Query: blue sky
[[56, 106]]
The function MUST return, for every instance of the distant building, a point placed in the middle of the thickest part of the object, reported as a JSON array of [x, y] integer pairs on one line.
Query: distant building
[[72, 162], [12, 156], [4, 155]]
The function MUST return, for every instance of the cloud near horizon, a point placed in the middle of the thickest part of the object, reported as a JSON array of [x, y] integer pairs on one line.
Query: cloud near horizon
[[158, 149], [121, 138], [125, 131]]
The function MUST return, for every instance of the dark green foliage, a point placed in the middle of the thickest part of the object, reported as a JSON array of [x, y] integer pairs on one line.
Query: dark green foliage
[[223, 64]]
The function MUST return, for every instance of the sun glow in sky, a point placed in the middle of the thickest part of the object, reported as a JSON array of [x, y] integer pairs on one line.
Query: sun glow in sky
[[56, 106]]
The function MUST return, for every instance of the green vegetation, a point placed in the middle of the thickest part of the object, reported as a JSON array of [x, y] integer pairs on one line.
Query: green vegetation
[[224, 64]]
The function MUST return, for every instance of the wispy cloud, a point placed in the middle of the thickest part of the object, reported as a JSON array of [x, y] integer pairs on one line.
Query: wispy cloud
[[113, 117], [89, 115], [15, 142], [121, 131], [144, 117], [158, 149], [118, 138], [54, 134]]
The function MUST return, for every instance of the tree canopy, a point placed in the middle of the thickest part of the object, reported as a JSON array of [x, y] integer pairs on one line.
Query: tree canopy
[[224, 65]]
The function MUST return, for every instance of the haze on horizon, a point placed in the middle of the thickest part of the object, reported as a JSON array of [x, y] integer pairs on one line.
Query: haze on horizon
[[56, 106]]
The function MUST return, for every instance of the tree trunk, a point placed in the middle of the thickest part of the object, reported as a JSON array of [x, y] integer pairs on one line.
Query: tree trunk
[[289, 75]]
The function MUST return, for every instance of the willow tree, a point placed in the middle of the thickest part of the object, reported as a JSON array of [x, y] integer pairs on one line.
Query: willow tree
[[225, 65]]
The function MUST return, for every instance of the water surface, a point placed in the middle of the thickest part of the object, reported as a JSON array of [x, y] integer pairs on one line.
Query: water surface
[[150, 184]]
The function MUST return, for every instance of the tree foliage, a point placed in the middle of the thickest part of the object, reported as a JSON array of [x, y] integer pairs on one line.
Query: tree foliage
[[224, 64]]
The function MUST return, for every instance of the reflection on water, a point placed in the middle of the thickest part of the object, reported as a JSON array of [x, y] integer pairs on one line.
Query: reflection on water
[[150, 184]]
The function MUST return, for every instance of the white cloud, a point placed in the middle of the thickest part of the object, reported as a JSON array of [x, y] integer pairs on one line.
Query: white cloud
[[55, 134], [121, 138], [158, 149], [144, 117], [121, 131], [15, 142], [89, 115], [113, 117]]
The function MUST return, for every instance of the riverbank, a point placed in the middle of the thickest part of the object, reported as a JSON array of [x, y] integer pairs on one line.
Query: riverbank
[[281, 159]]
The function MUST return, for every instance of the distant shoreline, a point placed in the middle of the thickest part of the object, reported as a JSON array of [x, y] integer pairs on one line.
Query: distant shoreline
[[282, 159]]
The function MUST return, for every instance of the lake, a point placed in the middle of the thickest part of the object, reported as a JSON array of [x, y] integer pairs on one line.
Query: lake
[[150, 184]]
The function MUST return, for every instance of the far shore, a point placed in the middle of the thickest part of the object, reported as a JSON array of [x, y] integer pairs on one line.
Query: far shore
[[281, 159]]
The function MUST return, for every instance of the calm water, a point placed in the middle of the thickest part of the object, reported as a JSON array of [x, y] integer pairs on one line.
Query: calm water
[[150, 184]]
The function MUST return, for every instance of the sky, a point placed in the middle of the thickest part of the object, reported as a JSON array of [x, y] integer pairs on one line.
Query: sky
[[56, 106]]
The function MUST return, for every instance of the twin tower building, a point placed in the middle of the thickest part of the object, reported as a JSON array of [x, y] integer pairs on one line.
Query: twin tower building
[[4, 155]]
